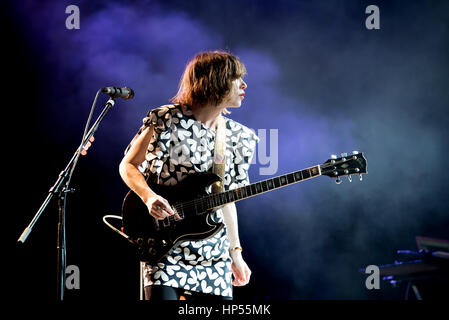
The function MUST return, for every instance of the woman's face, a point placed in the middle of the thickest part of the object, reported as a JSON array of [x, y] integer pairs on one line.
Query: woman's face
[[236, 94]]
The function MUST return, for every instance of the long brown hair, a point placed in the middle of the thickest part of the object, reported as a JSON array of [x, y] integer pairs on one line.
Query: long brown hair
[[207, 79]]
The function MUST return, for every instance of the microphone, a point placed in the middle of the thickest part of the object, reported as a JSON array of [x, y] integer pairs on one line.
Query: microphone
[[116, 92]]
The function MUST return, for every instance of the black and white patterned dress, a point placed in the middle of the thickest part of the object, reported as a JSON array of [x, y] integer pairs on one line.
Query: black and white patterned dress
[[180, 146]]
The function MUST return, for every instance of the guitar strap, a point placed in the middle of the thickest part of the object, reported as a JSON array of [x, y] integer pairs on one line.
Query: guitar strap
[[219, 155]]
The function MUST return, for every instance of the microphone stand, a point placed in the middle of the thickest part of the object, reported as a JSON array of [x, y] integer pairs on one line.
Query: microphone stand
[[62, 188]]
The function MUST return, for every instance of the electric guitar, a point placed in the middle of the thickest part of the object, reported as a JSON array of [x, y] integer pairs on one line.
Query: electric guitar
[[194, 204]]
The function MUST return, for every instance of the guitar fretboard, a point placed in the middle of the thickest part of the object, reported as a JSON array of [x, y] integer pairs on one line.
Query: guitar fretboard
[[219, 199]]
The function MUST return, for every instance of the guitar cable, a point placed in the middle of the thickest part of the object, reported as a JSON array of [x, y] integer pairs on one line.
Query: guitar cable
[[114, 228]]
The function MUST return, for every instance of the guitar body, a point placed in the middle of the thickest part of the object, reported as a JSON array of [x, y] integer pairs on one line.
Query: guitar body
[[155, 238]]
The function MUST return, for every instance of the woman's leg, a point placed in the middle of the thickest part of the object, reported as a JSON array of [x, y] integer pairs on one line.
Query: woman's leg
[[159, 293]]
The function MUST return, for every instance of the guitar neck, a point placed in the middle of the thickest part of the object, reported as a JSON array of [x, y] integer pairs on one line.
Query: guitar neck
[[219, 199]]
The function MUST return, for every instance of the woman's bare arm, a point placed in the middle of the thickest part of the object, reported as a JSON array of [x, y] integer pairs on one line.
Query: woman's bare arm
[[158, 207], [240, 269]]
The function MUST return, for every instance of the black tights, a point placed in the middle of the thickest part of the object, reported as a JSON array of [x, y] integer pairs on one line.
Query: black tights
[[159, 293]]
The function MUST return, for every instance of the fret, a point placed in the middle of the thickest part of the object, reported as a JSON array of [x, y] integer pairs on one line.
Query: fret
[[305, 173], [298, 175], [290, 178], [253, 189], [222, 198], [238, 193], [243, 190], [266, 185], [217, 201], [209, 202], [270, 184], [277, 182], [258, 187], [283, 180], [248, 190], [310, 171]]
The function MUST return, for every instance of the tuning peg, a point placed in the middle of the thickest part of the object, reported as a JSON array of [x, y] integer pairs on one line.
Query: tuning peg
[[344, 154], [338, 180], [333, 157], [361, 177], [350, 178], [355, 152]]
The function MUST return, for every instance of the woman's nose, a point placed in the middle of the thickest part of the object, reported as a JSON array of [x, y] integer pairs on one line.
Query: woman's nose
[[243, 85]]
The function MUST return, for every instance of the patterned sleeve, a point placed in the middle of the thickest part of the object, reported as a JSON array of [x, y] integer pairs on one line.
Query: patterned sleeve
[[160, 118], [244, 153]]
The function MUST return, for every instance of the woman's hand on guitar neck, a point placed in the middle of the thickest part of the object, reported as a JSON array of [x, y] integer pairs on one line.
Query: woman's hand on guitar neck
[[158, 207]]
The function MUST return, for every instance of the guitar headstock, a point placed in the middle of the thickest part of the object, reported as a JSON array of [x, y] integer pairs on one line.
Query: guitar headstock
[[346, 165]]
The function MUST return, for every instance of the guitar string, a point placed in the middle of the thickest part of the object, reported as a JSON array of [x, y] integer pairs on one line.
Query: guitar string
[[217, 198], [200, 202]]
